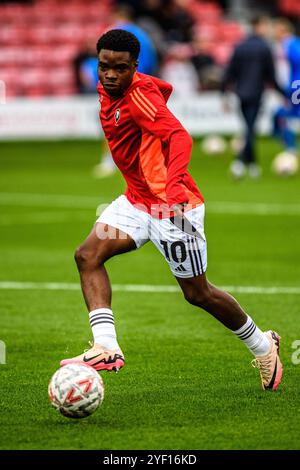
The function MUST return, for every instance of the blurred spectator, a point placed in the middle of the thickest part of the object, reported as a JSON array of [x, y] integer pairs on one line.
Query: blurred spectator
[[243, 8], [290, 46], [86, 69], [269, 7], [171, 15], [209, 73], [123, 19], [179, 70], [202, 57], [146, 18], [250, 68], [176, 21]]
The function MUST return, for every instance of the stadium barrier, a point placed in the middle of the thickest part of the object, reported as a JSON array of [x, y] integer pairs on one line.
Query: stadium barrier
[[77, 117]]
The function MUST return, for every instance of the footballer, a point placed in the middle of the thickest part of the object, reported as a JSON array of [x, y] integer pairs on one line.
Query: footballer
[[162, 203], [290, 45]]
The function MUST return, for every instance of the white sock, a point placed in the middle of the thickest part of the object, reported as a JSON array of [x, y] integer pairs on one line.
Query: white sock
[[103, 328], [254, 338]]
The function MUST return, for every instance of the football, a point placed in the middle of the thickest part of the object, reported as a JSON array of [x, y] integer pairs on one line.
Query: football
[[214, 145], [76, 390], [285, 164]]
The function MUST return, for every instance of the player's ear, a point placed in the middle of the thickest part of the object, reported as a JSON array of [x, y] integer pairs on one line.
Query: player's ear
[[136, 64]]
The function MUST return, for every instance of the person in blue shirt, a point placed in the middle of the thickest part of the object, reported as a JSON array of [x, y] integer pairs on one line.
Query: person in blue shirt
[[284, 115], [147, 60], [89, 75]]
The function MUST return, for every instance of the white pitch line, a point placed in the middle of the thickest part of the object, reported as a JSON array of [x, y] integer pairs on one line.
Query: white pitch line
[[90, 202], [66, 286]]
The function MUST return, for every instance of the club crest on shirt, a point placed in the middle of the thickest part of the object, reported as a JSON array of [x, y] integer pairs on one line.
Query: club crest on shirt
[[117, 116]]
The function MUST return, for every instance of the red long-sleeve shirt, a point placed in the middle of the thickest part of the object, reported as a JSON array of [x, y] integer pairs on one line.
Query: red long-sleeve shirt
[[149, 145]]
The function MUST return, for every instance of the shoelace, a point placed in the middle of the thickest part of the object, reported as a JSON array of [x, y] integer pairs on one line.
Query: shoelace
[[264, 365]]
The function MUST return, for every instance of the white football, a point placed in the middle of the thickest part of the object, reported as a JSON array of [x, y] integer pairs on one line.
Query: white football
[[285, 164], [76, 390], [214, 145]]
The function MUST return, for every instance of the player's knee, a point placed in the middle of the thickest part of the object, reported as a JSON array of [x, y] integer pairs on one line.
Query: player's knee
[[81, 257], [85, 258], [199, 298]]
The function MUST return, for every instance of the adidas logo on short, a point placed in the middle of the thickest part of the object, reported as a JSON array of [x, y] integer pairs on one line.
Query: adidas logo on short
[[180, 268]]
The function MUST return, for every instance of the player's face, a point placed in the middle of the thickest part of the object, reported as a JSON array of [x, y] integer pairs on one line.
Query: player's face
[[115, 71]]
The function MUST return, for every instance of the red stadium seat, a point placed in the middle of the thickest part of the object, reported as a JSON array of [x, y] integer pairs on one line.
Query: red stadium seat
[[37, 91], [64, 91], [205, 11], [231, 32], [39, 42], [61, 77]]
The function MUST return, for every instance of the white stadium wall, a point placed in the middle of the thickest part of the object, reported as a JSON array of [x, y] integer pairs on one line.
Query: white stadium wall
[[77, 117]]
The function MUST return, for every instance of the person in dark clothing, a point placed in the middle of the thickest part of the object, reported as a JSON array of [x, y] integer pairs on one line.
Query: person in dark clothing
[[171, 15], [208, 71], [251, 67]]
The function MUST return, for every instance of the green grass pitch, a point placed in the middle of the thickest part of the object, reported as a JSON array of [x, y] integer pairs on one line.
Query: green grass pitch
[[188, 382]]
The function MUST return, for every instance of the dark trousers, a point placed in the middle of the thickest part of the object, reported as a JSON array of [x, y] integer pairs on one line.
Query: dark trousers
[[249, 111]]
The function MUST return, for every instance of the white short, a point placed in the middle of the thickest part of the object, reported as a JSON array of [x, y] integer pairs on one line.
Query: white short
[[183, 246]]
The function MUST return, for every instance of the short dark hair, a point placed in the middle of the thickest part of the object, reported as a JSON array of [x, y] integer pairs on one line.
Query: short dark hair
[[121, 41]]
